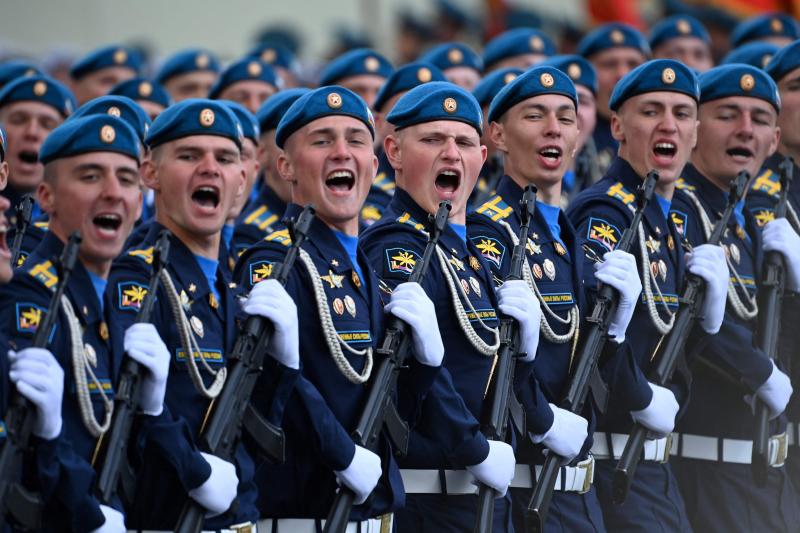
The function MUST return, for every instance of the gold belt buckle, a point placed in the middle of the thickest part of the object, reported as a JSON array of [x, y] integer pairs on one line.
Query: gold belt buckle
[[244, 527], [587, 465], [781, 447], [667, 447]]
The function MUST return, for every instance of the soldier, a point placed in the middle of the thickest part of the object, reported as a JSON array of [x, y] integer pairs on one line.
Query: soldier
[[19, 68], [776, 28], [189, 74], [738, 130], [654, 119], [94, 74], [280, 58], [326, 137], [91, 185], [460, 64], [755, 53], [248, 82], [683, 38], [362, 70], [151, 96], [518, 48], [436, 154], [536, 114]]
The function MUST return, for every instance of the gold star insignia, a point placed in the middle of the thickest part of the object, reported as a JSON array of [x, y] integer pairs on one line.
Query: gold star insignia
[[212, 301], [653, 246], [192, 287], [334, 262], [457, 263], [333, 279]]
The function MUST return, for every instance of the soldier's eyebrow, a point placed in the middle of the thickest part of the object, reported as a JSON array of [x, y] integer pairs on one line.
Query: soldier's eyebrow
[[89, 166], [546, 108]]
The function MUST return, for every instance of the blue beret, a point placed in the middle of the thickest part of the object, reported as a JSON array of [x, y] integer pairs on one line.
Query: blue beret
[[578, 68], [756, 53], [247, 119], [11, 70], [108, 56], [195, 116], [678, 26], [655, 76], [39, 89], [118, 106], [3, 142], [323, 102], [143, 89], [355, 63], [535, 81], [491, 84], [613, 35], [763, 26], [92, 133], [737, 79], [406, 78], [186, 61], [516, 42], [244, 70], [786, 60], [451, 55], [274, 54], [271, 111], [437, 100]]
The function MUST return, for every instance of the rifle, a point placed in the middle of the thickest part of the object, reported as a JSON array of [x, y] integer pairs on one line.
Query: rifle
[[126, 401], [501, 399], [379, 409], [232, 409], [24, 211], [770, 296], [16, 501], [599, 321], [691, 301]]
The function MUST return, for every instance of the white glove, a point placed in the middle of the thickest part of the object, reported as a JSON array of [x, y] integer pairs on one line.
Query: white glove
[[362, 474], [497, 470], [270, 300], [115, 521], [567, 434], [517, 300], [780, 237], [618, 269], [39, 378], [708, 262], [144, 345], [659, 416], [775, 392], [410, 304], [217, 492]]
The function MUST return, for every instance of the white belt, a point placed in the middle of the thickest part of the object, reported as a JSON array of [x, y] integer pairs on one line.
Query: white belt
[[382, 524], [793, 433], [733, 450], [654, 449], [244, 527], [576, 478], [424, 481]]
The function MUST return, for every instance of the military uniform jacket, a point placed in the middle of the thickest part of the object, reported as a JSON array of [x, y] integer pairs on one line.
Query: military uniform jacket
[[601, 213], [324, 406], [717, 405], [449, 434], [259, 219], [171, 462], [33, 236], [65, 475], [380, 192]]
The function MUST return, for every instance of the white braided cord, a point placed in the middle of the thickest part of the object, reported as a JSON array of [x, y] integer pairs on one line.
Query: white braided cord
[[647, 278]]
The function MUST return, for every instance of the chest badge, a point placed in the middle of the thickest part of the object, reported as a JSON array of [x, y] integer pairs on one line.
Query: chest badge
[[533, 248], [333, 279], [734, 253], [197, 326], [457, 263], [103, 331], [356, 280], [212, 301], [653, 246], [91, 354], [465, 286], [662, 270], [192, 288], [474, 263], [338, 306], [740, 232], [350, 305], [670, 242], [473, 282], [560, 250], [549, 269], [537, 271]]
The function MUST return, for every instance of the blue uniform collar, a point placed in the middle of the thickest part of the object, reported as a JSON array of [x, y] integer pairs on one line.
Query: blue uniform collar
[[712, 195], [511, 193]]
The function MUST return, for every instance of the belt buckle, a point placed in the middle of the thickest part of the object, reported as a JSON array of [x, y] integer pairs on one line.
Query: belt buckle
[[587, 465], [778, 448], [244, 527], [667, 447]]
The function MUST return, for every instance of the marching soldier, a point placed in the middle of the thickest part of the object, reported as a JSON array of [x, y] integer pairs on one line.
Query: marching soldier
[[151, 96], [776, 28], [459, 63], [248, 82], [94, 74], [518, 48], [362, 70], [682, 38], [189, 74]]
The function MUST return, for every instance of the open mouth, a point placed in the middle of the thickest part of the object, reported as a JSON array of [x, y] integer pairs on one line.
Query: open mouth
[[206, 196], [107, 222], [740, 151], [448, 180], [551, 156], [29, 156], [340, 180], [665, 149]]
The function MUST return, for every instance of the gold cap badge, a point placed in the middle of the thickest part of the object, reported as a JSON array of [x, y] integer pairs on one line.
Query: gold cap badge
[[334, 100], [617, 37], [107, 134], [509, 77], [268, 55], [684, 27], [574, 71], [747, 82], [455, 56], [120, 56], [207, 117], [537, 44], [114, 111], [547, 80], [424, 74], [668, 76], [202, 60], [776, 25], [450, 105], [39, 88], [254, 69], [372, 64], [145, 89]]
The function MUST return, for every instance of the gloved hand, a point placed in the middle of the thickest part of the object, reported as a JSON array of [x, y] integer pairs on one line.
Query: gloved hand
[[708, 262], [517, 300], [497, 470], [217, 492], [567, 434], [362, 474], [144, 345], [39, 378], [115, 521], [775, 392], [780, 237], [659, 416], [270, 300], [618, 269], [410, 304]]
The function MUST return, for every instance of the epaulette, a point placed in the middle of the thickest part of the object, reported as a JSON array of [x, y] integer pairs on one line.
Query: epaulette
[[370, 213], [145, 254], [45, 273], [406, 219], [262, 217], [768, 182], [622, 194], [281, 237], [683, 186], [495, 209], [383, 183]]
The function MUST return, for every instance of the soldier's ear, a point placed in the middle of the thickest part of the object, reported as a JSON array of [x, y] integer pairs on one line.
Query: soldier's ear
[[3, 175], [497, 135], [285, 168], [617, 131], [149, 174], [776, 139], [391, 147]]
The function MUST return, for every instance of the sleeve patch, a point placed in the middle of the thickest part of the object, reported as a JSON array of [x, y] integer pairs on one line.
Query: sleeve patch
[[491, 249], [769, 183], [145, 255], [29, 316], [763, 215], [259, 271], [401, 261], [280, 236], [131, 295], [496, 209], [679, 219], [603, 233]]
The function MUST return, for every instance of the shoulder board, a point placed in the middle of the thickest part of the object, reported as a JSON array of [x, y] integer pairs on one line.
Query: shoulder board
[[145, 254], [622, 194], [768, 182], [262, 217], [45, 273], [406, 219], [370, 213], [683, 186], [280, 236], [381, 182], [42, 224], [495, 209]]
